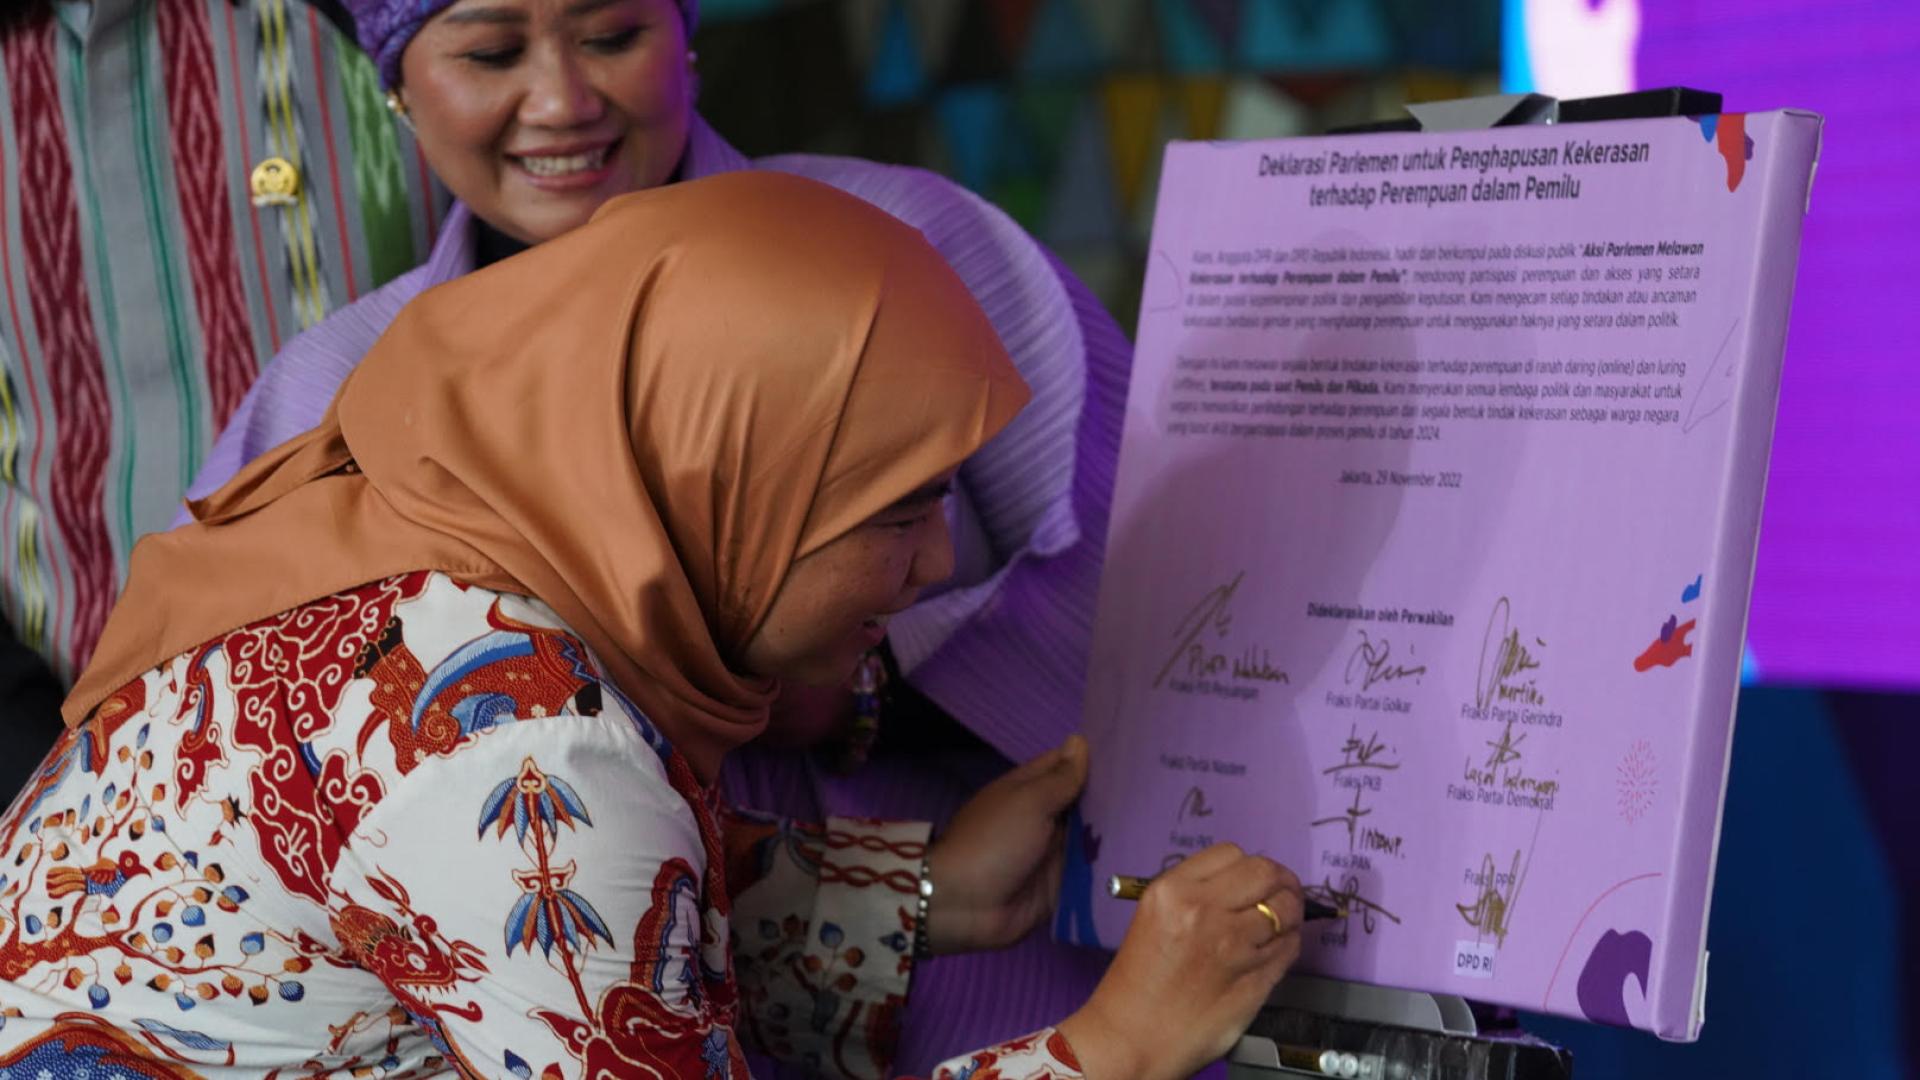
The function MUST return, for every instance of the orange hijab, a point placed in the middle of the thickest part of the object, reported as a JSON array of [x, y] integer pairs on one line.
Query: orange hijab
[[642, 423]]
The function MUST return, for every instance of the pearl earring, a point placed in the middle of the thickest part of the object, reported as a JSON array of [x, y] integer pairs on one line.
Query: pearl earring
[[399, 109]]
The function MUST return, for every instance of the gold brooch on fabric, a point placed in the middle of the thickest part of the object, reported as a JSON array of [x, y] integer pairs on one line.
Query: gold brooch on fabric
[[275, 182]]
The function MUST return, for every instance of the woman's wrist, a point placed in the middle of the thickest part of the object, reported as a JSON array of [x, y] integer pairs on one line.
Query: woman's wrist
[[1103, 1053], [943, 922], [923, 909]]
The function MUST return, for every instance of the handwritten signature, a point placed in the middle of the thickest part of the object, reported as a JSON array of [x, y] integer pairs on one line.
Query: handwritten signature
[[1347, 897], [1257, 666], [1254, 664], [1350, 817], [1359, 837], [1503, 660], [1371, 657], [1506, 749], [1194, 803], [1360, 753], [1491, 912], [1503, 769], [1211, 611]]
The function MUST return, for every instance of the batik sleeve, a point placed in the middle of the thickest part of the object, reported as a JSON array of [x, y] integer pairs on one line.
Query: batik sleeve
[[538, 902], [823, 924]]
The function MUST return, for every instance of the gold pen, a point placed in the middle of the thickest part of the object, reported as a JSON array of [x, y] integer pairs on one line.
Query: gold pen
[[1129, 887]]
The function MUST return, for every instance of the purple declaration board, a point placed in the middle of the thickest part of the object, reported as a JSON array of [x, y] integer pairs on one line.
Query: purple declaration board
[[1433, 539]]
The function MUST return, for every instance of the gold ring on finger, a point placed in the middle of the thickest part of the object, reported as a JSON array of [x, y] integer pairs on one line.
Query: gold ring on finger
[[1262, 908]]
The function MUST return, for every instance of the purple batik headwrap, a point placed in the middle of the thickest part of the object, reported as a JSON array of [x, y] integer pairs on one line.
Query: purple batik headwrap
[[386, 26]]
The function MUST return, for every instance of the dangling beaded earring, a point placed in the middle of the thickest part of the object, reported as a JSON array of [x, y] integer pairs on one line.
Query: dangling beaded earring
[[868, 681]]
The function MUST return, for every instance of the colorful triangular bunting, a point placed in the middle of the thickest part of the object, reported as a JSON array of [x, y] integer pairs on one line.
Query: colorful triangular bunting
[[1188, 43], [971, 118], [1059, 43], [1081, 211], [1254, 110], [1111, 21], [1220, 17], [1012, 19], [973, 48], [897, 76], [1201, 101], [1046, 112], [1313, 35], [1132, 104]]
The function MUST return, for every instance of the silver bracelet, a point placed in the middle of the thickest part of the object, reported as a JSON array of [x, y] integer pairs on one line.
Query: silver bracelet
[[922, 948]]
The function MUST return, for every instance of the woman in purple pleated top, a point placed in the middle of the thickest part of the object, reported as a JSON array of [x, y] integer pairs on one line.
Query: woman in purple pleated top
[[533, 113]]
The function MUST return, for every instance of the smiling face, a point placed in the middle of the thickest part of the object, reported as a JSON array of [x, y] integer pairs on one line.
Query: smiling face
[[534, 112], [834, 604]]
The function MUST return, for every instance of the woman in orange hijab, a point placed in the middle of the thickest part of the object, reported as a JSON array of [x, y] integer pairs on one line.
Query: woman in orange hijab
[[403, 756]]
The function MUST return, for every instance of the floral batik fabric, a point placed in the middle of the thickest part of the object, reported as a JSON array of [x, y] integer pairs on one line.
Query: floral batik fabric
[[409, 830], [1044, 1055]]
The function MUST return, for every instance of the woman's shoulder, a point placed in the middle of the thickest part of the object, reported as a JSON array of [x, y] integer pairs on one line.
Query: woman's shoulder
[[344, 336], [856, 174], [1023, 289], [331, 347], [294, 388], [417, 666], [468, 683], [918, 196], [468, 652], [296, 385]]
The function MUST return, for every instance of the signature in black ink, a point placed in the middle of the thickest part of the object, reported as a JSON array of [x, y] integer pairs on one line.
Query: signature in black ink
[[1359, 837], [1194, 804], [1210, 612], [1347, 898], [1503, 660], [1371, 658], [1257, 666], [1360, 753], [1506, 749], [1254, 664], [1503, 770], [1491, 912], [1350, 817], [1372, 839]]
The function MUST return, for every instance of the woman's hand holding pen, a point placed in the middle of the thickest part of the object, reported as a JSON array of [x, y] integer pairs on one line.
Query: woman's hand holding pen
[[1196, 965]]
